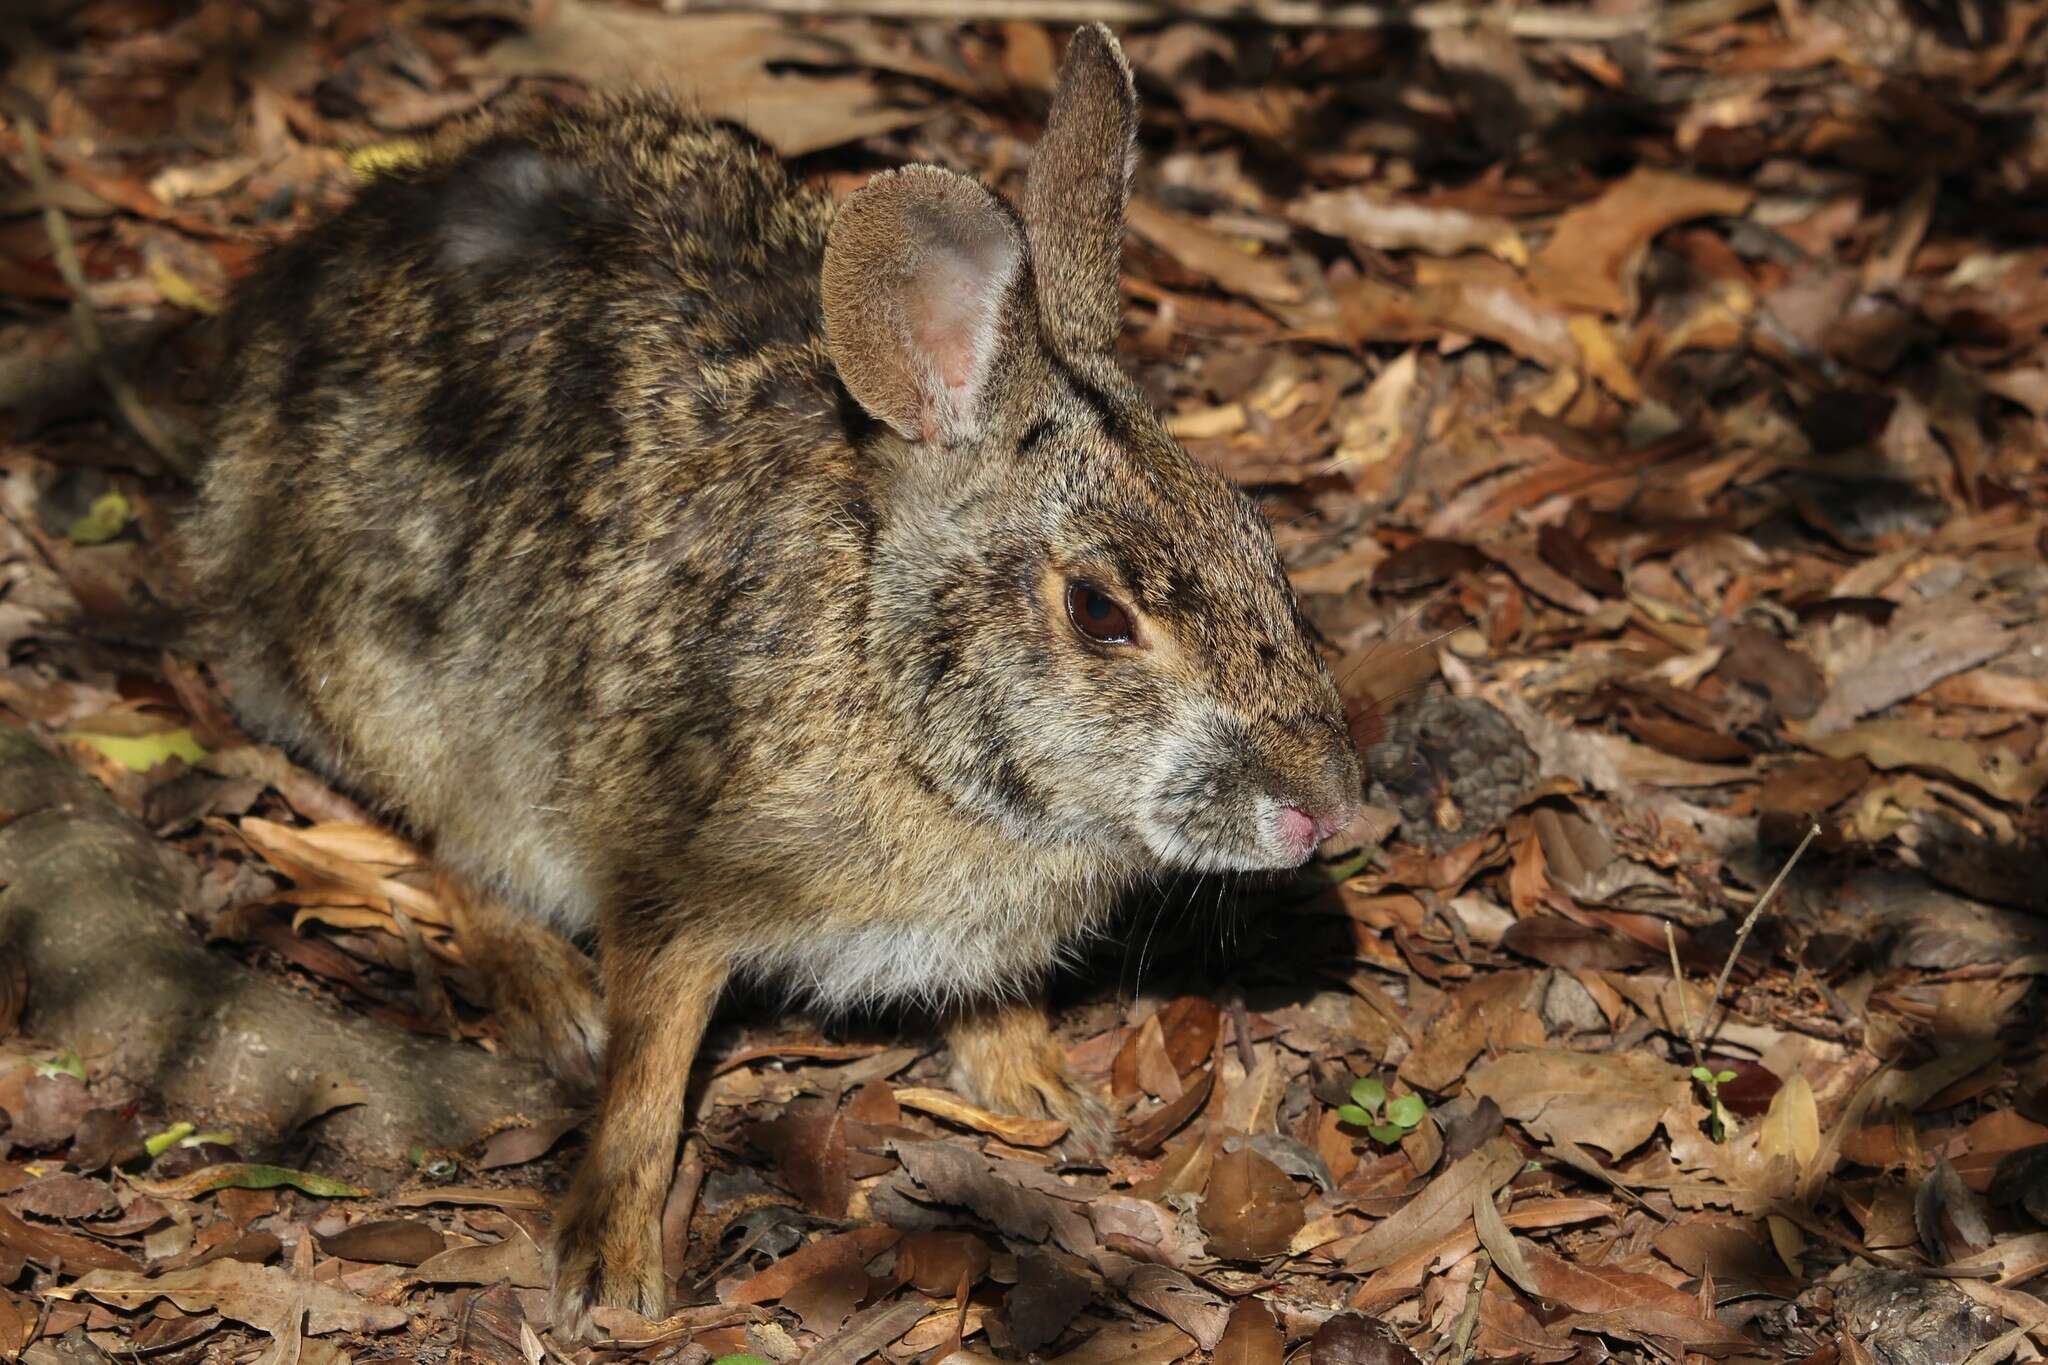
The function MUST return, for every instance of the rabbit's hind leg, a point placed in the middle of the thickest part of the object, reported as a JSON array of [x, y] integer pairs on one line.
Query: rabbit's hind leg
[[543, 987], [1005, 1055]]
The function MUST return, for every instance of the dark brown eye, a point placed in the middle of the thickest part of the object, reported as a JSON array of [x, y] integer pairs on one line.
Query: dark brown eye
[[1097, 615]]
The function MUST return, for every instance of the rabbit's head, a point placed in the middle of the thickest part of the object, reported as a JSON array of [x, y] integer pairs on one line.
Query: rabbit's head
[[1081, 632]]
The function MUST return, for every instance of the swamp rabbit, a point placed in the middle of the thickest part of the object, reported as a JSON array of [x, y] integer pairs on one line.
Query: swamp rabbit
[[772, 591]]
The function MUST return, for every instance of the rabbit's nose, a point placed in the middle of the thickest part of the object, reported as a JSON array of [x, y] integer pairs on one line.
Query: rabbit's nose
[[1301, 830]]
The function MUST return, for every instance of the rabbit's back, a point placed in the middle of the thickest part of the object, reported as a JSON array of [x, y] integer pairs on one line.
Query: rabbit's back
[[524, 466]]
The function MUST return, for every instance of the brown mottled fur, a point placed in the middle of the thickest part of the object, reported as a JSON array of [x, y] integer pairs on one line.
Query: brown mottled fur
[[691, 564]]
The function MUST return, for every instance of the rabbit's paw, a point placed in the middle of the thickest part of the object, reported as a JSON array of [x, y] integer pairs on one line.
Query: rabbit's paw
[[603, 1255], [1006, 1057], [543, 987], [552, 1011]]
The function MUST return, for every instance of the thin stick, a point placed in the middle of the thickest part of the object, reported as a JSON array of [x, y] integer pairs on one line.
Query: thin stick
[[85, 324], [1468, 1316], [1749, 922], [1562, 25], [1692, 1036]]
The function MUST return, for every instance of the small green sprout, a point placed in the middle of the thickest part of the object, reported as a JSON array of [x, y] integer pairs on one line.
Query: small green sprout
[[1711, 1081], [1403, 1112], [156, 1144], [65, 1063]]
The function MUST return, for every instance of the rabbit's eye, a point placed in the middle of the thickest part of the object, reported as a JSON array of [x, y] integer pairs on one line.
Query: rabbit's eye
[[1097, 615]]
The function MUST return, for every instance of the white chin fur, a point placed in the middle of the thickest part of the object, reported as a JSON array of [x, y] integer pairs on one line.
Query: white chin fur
[[1269, 854]]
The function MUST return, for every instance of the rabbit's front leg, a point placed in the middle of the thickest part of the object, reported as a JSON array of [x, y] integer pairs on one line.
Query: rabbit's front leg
[[1005, 1056], [607, 1244]]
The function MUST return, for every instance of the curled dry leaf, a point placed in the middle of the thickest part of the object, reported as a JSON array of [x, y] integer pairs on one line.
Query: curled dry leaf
[[1590, 250], [1011, 1128], [517, 1146], [936, 1262], [852, 1249]]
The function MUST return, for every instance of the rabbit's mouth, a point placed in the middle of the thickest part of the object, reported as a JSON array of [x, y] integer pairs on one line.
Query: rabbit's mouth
[[1222, 806]]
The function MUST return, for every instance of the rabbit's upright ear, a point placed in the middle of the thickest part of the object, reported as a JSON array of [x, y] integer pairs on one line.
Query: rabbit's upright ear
[[918, 267], [1075, 195]]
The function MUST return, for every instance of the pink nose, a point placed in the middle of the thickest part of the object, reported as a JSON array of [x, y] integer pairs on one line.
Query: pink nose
[[1300, 832], [1297, 830]]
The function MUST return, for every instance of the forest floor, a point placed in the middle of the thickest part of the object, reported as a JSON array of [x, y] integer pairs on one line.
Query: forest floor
[[1651, 405]]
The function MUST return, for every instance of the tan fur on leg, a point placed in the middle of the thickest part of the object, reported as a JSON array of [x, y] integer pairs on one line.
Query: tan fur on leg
[[543, 987], [607, 1245], [1006, 1057]]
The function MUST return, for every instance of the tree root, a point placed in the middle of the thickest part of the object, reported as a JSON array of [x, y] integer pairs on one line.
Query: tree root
[[91, 909]]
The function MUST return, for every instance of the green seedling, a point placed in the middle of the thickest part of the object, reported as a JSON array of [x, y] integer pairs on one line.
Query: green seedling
[[1402, 1112], [156, 1144], [65, 1063], [1711, 1081]]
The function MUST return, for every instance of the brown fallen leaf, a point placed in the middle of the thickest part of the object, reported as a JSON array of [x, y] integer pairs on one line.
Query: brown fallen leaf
[[1251, 1337], [869, 1332], [65, 1195], [855, 1249], [515, 1259], [1610, 1101], [1386, 223], [1355, 1339], [517, 1146], [1920, 649], [1046, 1297], [1148, 1132], [1438, 1209], [1891, 744], [1011, 1128], [387, 1241], [48, 1247], [1251, 1210], [1205, 251], [469, 1194], [936, 1262], [1201, 1313], [721, 62], [1594, 245], [1131, 1346], [261, 1296]]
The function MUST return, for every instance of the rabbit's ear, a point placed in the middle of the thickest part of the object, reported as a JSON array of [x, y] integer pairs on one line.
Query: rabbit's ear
[[1075, 194], [918, 268]]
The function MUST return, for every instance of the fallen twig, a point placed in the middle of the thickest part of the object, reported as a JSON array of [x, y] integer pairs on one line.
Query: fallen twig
[[84, 322], [1560, 25]]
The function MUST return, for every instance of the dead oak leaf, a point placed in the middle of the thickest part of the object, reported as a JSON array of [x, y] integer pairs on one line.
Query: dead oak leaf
[[261, 1296], [719, 61], [1251, 1210], [1613, 1102], [1439, 1209], [1594, 245]]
